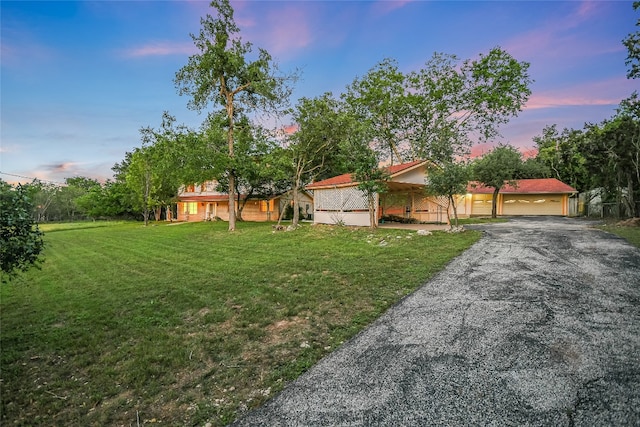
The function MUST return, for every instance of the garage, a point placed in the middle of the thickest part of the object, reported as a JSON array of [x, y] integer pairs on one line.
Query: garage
[[526, 204], [545, 196]]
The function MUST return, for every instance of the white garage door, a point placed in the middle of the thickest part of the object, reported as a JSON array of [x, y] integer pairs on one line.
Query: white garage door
[[540, 204], [481, 204]]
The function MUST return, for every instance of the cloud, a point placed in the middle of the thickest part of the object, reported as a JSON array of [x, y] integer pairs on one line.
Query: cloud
[[290, 129], [604, 92], [24, 53], [562, 37], [163, 48], [384, 7], [61, 167], [282, 31]]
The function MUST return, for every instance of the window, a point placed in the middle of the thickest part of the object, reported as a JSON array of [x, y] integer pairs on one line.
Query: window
[[190, 208], [267, 205]]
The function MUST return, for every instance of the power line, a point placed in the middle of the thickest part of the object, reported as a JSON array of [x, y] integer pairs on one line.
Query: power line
[[32, 178]]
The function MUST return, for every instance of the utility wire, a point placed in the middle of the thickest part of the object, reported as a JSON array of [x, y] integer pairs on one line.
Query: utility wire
[[32, 178]]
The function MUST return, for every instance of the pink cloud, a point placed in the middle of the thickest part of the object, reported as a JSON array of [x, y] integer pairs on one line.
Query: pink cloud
[[284, 30], [605, 92], [290, 129], [161, 49], [555, 39]]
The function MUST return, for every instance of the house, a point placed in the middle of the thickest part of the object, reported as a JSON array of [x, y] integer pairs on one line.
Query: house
[[547, 196], [338, 200], [202, 202]]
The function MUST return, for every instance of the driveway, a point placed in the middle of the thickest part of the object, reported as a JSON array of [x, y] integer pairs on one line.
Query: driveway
[[537, 324]]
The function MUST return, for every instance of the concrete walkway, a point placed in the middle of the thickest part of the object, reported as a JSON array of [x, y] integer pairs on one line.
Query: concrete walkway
[[537, 324]]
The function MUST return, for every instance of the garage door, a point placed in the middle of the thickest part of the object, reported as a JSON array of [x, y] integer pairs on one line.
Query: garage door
[[481, 204], [541, 204]]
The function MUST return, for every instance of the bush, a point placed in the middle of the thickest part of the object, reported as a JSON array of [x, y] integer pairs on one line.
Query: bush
[[20, 239]]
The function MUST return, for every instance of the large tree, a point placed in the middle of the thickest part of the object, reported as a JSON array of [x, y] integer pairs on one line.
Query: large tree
[[454, 104], [562, 153], [378, 100], [225, 73], [20, 240], [612, 152], [323, 127], [496, 169]]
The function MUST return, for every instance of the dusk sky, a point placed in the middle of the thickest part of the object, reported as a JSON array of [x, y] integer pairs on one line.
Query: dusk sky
[[79, 79]]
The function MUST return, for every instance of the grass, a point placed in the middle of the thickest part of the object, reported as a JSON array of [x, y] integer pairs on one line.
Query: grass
[[629, 233], [190, 324]]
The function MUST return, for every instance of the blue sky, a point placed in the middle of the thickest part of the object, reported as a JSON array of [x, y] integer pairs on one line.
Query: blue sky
[[79, 79]]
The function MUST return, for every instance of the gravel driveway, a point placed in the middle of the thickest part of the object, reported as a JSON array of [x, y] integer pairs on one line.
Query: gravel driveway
[[537, 324]]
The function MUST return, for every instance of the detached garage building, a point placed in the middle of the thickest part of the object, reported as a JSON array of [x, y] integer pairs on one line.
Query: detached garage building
[[547, 196]]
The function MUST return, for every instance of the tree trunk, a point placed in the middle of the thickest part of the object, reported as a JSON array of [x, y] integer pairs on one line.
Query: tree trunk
[[296, 205], [373, 221], [455, 209], [232, 180], [494, 203]]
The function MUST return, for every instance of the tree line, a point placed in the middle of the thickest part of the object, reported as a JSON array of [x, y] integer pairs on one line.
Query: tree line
[[385, 116]]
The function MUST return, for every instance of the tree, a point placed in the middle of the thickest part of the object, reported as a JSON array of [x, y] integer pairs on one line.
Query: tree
[[372, 180], [322, 128], [632, 43], [20, 239], [447, 180], [379, 101], [222, 73], [612, 152], [454, 104], [562, 153], [496, 169]]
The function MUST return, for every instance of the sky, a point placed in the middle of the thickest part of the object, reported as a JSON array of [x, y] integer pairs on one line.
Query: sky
[[79, 80]]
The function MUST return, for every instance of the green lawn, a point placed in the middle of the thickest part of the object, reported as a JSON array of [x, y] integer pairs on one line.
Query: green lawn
[[188, 324], [631, 234]]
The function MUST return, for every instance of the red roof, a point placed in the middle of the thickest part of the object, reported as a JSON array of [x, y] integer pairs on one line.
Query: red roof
[[526, 186], [347, 179]]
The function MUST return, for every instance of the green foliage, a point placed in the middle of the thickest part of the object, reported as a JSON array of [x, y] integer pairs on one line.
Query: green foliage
[[222, 74], [20, 240], [316, 150], [166, 330], [563, 154], [438, 111], [497, 168], [448, 179], [378, 100]]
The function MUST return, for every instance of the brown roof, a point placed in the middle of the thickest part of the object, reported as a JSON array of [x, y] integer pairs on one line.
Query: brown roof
[[526, 186], [347, 179]]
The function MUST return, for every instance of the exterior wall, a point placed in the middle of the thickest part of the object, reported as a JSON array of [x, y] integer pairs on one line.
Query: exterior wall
[[346, 205], [360, 219], [257, 210], [203, 211], [416, 176], [254, 210]]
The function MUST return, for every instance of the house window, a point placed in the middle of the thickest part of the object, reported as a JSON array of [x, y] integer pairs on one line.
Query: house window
[[267, 205], [190, 208]]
